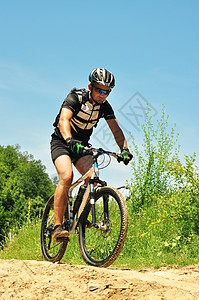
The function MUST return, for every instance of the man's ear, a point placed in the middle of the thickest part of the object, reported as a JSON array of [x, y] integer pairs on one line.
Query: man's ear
[[90, 87]]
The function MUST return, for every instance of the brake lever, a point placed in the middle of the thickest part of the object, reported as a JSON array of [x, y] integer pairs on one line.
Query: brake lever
[[119, 158]]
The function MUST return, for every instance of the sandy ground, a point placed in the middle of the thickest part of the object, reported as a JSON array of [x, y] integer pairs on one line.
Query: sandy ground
[[44, 280]]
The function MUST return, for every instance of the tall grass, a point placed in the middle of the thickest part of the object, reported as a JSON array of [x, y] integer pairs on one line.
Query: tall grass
[[159, 235], [155, 238], [25, 245]]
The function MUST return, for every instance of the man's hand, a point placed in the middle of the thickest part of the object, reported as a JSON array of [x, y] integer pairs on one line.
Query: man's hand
[[76, 147], [126, 155]]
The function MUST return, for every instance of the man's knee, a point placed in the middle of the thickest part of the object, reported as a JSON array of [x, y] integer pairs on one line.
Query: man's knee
[[65, 179]]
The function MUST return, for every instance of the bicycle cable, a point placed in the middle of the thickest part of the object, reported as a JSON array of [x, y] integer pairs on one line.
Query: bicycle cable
[[108, 163]]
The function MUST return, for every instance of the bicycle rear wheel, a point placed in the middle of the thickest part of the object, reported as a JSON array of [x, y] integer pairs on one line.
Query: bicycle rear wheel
[[101, 246], [51, 251]]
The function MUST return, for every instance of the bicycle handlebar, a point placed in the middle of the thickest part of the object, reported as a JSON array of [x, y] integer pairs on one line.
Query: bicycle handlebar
[[96, 152]]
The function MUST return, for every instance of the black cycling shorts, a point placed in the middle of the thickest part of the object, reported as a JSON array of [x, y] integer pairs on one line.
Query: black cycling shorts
[[58, 148]]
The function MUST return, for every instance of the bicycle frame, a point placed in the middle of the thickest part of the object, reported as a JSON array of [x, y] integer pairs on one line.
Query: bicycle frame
[[93, 173], [97, 207]]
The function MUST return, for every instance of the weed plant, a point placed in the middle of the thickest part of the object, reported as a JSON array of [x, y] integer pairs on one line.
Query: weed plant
[[164, 201]]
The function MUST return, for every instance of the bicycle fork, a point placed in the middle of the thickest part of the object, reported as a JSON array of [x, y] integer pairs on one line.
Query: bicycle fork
[[92, 202], [102, 224]]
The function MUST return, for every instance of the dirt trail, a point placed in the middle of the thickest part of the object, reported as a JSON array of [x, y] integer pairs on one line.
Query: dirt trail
[[43, 280]]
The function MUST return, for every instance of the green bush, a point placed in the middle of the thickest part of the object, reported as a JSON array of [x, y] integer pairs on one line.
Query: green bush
[[24, 188]]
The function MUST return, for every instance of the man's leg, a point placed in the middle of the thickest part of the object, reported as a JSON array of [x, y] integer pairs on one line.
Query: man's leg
[[83, 165], [65, 172]]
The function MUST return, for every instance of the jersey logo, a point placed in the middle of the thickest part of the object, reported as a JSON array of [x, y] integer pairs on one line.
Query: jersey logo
[[85, 107]]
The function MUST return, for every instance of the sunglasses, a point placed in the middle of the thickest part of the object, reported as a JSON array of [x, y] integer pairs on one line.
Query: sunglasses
[[98, 90]]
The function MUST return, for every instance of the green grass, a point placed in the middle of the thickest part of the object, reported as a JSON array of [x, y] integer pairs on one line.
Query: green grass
[[154, 239], [25, 245], [162, 233]]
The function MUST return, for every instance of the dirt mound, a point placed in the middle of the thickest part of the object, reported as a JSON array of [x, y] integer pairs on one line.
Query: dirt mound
[[43, 280]]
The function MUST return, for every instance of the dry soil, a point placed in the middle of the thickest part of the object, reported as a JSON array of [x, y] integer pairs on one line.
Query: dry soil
[[44, 280]]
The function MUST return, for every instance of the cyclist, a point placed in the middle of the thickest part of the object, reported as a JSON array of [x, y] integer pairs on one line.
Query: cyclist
[[79, 113]]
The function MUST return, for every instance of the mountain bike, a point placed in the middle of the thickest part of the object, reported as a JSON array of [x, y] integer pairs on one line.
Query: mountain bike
[[99, 216]]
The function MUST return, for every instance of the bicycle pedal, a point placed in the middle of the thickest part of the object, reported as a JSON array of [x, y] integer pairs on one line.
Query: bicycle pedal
[[63, 239]]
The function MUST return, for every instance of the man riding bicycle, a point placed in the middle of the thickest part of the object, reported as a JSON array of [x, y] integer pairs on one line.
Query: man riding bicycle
[[79, 113]]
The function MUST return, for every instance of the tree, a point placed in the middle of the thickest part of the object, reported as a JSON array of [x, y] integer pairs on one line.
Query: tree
[[24, 188]]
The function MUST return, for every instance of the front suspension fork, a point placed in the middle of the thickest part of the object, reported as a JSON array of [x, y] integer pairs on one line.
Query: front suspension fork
[[92, 203]]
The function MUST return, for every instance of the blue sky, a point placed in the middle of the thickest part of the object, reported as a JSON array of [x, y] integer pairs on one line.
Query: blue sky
[[49, 47]]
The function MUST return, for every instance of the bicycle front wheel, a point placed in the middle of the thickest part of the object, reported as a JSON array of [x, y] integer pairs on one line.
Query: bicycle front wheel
[[101, 245], [51, 251]]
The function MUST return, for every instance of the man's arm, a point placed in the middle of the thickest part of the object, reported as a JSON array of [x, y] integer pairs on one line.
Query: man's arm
[[64, 122], [64, 126], [117, 133]]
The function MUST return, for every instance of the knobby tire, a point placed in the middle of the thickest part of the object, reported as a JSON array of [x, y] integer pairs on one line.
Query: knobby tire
[[98, 247]]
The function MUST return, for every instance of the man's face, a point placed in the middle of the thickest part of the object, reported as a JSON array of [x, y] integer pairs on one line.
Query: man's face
[[99, 92]]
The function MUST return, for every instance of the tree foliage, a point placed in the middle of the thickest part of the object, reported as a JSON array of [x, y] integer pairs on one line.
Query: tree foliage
[[24, 188]]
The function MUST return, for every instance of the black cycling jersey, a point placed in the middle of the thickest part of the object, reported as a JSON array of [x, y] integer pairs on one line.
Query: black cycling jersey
[[85, 114]]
